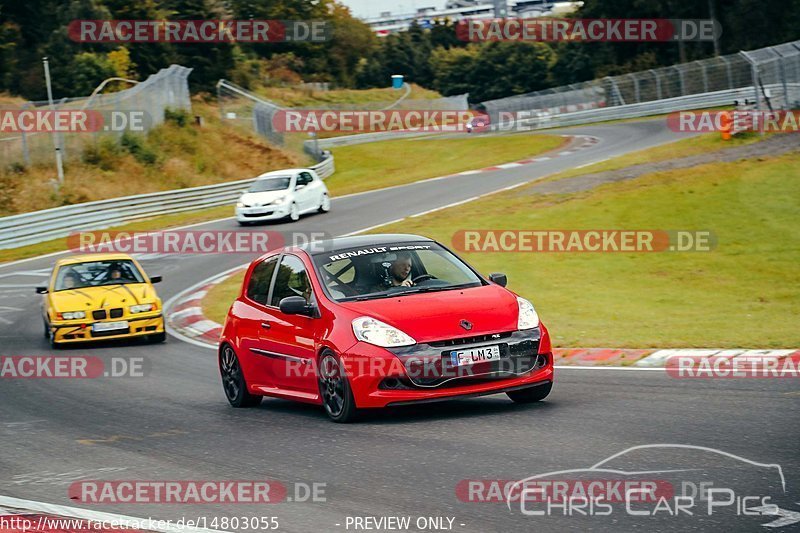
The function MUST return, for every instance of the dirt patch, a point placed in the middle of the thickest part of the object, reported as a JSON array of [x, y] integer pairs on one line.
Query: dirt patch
[[773, 146]]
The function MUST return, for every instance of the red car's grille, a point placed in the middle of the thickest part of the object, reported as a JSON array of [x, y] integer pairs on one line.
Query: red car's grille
[[470, 340]]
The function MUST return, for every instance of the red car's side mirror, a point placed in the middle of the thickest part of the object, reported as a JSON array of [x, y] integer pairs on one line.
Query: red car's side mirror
[[499, 278]]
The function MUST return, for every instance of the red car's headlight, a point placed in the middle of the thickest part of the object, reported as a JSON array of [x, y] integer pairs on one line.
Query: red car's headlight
[[375, 332]]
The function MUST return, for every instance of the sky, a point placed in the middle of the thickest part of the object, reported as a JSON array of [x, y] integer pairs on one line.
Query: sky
[[373, 8]]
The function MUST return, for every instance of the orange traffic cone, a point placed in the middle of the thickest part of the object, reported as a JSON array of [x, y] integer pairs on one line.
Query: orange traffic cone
[[725, 125]]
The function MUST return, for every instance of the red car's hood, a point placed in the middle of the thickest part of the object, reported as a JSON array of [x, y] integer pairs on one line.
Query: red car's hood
[[437, 315]]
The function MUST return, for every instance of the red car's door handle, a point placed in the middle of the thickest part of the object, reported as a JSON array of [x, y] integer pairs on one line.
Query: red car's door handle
[[265, 325]]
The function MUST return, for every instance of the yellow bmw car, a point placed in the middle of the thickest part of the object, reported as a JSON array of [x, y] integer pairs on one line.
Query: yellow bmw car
[[98, 297]]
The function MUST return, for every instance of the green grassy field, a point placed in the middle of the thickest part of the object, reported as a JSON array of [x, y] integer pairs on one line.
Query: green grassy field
[[383, 164], [219, 298], [295, 97], [744, 293]]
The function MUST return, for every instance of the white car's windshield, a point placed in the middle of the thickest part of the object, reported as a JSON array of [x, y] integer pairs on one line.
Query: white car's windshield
[[277, 183], [392, 269], [94, 273]]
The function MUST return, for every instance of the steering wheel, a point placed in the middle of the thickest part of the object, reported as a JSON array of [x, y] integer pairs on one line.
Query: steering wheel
[[422, 277]]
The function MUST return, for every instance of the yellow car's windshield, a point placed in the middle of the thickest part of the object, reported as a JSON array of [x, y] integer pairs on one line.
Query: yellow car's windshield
[[95, 273]]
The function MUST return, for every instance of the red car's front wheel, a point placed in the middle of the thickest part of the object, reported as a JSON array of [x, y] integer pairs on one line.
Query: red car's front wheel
[[334, 389]]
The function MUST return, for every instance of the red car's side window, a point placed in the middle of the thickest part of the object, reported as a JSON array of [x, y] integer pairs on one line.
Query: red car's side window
[[258, 286]]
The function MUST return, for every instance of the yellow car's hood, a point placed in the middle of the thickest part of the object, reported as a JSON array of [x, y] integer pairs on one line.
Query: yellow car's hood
[[103, 296]]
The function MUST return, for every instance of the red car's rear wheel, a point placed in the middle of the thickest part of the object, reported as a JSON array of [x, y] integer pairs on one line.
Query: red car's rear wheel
[[233, 382]]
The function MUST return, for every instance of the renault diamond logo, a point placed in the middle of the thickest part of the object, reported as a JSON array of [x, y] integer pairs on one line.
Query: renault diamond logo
[[466, 324]]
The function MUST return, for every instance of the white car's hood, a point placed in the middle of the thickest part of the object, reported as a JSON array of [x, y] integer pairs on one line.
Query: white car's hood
[[262, 198]]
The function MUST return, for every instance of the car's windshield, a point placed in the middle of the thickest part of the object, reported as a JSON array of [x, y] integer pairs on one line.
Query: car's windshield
[[94, 273], [277, 183], [392, 269]]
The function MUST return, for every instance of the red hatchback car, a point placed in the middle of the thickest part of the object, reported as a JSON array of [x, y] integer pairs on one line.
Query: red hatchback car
[[372, 321]]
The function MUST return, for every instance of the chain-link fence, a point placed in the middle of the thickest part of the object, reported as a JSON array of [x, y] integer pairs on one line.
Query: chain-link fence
[[167, 89], [773, 73], [241, 107]]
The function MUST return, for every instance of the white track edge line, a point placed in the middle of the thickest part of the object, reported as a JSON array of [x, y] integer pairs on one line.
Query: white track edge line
[[88, 514]]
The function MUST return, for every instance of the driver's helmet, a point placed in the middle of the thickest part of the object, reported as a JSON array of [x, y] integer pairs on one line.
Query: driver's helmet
[[114, 267], [71, 275]]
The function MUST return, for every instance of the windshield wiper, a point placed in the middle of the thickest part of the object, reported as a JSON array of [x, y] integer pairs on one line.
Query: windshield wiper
[[438, 288], [370, 297]]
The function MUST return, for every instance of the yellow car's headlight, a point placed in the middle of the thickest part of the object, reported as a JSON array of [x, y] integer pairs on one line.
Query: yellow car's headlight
[[142, 308], [71, 315]]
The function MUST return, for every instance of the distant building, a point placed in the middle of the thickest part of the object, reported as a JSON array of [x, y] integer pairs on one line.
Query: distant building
[[455, 10]]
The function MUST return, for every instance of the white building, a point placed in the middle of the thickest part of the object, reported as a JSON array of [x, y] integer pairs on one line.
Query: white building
[[455, 10]]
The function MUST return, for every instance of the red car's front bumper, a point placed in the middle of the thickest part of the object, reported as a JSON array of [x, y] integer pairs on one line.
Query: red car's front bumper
[[379, 378]]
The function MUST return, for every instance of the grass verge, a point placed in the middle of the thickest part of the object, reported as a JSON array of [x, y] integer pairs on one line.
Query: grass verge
[[382, 164], [295, 97], [218, 300], [744, 293]]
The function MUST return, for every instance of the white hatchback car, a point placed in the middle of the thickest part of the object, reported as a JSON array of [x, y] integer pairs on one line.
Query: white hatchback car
[[283, 194]]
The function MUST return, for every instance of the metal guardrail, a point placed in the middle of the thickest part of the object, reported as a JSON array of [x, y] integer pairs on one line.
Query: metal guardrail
[[644, 109], [39, 226]]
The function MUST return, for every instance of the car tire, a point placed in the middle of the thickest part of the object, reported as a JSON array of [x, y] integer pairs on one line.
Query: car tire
[[334, 389], [294, 212], [51, 339], [531, 394], [233, 382], [243, 223], [325, 204], [158, 338], [46, 329]]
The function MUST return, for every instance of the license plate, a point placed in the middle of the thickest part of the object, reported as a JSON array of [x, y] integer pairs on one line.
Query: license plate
[[472, 356], [256, 211], [110, 326]]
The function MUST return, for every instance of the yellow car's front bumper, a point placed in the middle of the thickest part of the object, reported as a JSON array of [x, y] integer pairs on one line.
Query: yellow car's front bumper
[[82, 331]]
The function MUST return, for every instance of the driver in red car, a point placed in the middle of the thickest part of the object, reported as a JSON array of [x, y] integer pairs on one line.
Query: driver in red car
[[400, 270]]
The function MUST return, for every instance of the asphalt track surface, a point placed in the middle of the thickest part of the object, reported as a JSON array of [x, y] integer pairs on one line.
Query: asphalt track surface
[[174, 423]]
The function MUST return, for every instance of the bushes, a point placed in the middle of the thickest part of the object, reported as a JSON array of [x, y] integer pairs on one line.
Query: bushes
[[178, 116], [136, 145], [106, 152]]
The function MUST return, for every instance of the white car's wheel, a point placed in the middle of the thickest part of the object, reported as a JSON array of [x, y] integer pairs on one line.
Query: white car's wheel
[[294, 213], [325, 203]]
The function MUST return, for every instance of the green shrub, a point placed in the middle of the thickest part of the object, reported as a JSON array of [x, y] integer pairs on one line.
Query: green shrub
[[103, 154], [136, 145], [178, 116]]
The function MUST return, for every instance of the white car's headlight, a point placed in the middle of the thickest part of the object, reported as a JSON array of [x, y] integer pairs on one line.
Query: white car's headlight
[[375, 332], [73, 315], [239, 204], [528, 319], [142, 308], [278, 200]]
